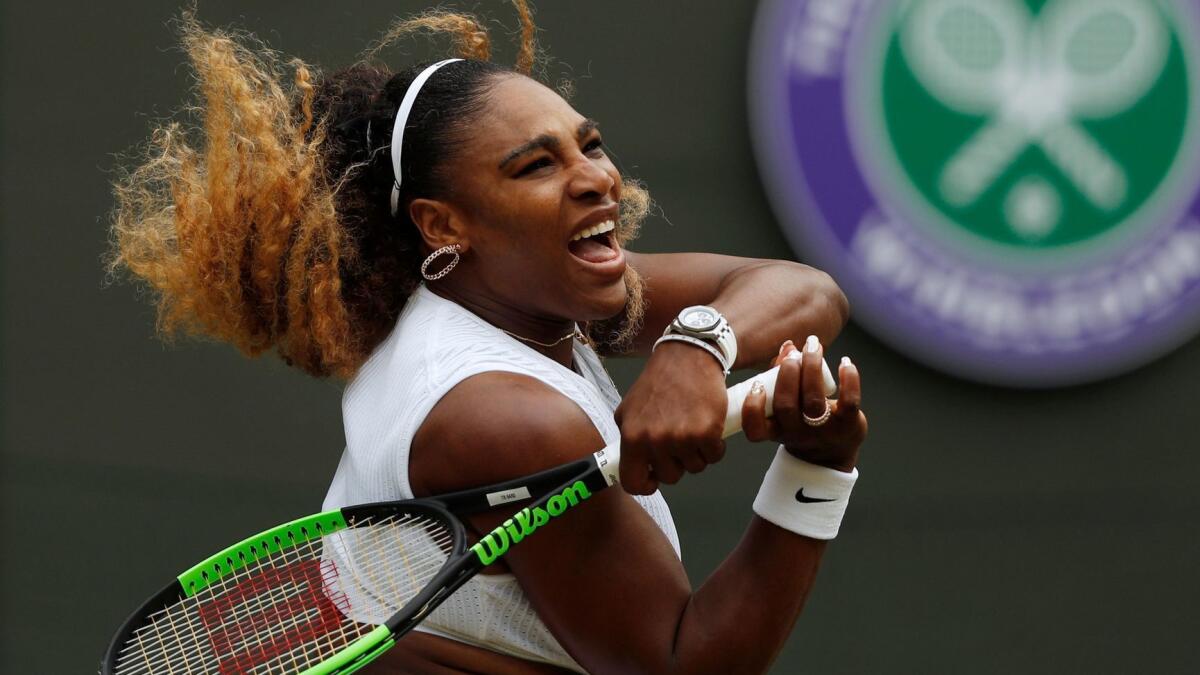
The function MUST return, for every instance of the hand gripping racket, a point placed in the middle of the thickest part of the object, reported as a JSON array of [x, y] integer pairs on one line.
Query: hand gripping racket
[[328, 593]]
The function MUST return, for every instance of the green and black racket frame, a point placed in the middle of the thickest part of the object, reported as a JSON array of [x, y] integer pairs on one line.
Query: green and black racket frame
[[328, 593]]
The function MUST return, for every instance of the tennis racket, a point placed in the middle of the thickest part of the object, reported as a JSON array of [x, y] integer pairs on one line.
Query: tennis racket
[[328, 593]]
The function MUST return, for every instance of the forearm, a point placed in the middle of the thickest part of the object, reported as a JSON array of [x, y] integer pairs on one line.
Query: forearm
[[770, 302], [766, 301], [739, 619]]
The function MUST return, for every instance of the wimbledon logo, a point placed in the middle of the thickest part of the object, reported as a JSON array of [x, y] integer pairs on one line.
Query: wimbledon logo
[[1007, 189]]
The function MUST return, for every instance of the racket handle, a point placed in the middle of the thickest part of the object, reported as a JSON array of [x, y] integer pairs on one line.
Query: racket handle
[[738, 392]]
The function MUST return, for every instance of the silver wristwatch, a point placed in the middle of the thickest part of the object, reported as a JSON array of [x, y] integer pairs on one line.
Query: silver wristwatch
[[706, 325]]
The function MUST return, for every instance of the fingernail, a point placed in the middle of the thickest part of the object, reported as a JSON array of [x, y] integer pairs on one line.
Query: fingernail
[[783, 347], [812, 344], [846, 361], [757, 388]]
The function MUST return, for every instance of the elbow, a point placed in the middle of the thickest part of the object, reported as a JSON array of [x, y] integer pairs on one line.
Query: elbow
[[827, 304], [838, 300]]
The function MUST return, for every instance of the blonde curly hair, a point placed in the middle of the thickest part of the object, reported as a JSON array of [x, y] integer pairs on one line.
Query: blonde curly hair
[[264, 222]]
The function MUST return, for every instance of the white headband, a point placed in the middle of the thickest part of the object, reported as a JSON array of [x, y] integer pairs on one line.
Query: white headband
[[406, 106]]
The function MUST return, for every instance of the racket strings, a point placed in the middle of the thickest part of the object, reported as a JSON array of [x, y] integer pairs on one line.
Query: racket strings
[[293, 609], [192, 635]]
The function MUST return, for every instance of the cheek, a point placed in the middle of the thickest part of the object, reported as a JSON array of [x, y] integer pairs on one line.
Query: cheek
[[503, 218], [526, 232], [535, 216]]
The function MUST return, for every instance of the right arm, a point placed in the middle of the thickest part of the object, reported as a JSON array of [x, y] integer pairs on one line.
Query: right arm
[[605, 580]]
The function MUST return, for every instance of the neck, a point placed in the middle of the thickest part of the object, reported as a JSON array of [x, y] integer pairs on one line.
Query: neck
[[515, 320]]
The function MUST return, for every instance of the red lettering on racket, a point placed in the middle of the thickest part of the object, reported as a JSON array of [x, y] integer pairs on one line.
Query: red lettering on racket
[[273, 613]]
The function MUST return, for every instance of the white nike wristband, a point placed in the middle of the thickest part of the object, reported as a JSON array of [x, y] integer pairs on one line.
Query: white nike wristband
[[804, 498]]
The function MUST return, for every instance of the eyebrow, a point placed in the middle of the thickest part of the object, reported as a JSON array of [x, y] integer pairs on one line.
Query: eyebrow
[[548, 142]]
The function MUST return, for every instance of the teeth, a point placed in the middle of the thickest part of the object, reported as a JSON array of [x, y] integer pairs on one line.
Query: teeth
[[606, 226]]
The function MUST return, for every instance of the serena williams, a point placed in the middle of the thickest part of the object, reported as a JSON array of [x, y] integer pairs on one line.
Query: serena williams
[[450, 240]]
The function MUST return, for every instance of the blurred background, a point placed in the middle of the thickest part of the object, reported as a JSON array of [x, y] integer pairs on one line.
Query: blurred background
[[994, 530]]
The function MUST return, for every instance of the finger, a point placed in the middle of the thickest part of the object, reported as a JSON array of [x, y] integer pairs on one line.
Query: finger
[[691, 459], [636, 477], [787, 395], [812, 382], [651, 483], [713, 451], [784, 349], [754, 413], [635, 468], [850, 396], [668, 470], [770, 431], [773, 429]]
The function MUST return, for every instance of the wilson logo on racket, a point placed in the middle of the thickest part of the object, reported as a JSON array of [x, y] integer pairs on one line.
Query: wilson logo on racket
[[1007, 189], [525, 522]]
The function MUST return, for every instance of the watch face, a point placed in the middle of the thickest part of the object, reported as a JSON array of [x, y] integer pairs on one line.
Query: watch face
[[698, 318]]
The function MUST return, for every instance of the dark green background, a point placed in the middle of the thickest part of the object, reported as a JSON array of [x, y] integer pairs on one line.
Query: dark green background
[[993, 531]]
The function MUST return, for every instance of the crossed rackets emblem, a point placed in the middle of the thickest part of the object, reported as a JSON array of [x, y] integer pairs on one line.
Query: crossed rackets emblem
[[1034, 78]]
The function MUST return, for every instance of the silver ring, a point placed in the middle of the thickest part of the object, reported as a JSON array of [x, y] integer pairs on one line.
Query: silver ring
[[452, 249], [818, 421]]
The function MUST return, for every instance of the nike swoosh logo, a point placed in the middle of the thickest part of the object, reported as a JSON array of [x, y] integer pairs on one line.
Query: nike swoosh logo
[[808, 500]]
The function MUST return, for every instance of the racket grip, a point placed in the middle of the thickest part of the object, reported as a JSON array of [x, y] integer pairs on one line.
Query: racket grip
[[738, 392]]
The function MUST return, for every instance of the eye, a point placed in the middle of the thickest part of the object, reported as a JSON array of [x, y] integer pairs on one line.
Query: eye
[[593, 146], [536, 164]]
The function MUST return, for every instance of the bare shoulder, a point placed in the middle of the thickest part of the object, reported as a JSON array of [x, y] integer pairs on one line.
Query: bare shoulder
[[495, 426]]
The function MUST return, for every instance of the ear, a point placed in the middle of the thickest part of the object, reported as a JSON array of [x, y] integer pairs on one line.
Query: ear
[[439, 223]]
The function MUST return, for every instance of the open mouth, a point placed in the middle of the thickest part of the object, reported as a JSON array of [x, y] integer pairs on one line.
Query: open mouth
[[596, 244]]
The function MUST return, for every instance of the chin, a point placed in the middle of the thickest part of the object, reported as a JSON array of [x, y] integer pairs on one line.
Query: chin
[[607, 302]]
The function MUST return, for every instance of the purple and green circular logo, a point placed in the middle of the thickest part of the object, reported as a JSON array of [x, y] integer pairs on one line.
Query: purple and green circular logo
[[1008, 190]]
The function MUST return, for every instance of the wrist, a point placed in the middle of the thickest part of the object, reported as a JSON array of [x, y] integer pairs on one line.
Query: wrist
[[695, 346], [804, 498], [843, 464], [690, 355]]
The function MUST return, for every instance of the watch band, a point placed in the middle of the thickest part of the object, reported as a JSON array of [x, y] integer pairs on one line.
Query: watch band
[[706, 346], [727, 342]]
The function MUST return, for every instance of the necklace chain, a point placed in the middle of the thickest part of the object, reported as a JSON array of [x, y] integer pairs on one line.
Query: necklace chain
[[573, 334]]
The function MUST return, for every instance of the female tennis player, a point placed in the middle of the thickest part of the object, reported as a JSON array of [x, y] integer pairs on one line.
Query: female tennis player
[[450, 239]]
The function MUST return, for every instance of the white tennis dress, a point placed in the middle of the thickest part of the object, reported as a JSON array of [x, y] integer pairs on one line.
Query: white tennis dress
[[435, 345]]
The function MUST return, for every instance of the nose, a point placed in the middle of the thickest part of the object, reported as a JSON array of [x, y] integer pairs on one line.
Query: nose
[[590, 180]]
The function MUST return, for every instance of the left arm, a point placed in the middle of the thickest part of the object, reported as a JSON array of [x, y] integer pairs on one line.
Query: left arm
[[766, 301], [672, 417]]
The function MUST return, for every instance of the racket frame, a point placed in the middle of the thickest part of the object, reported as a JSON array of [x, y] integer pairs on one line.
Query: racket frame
[[461, 564], [562, 483]]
